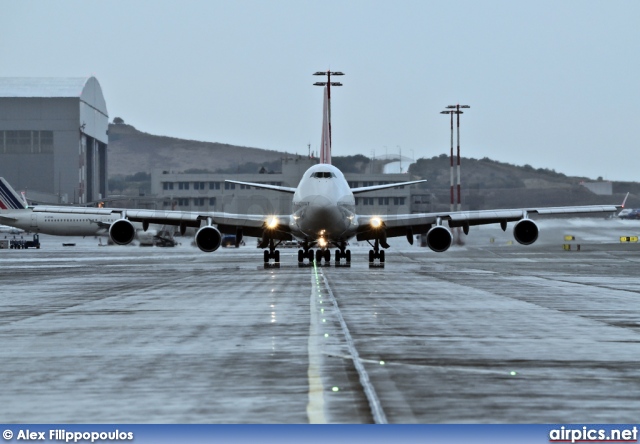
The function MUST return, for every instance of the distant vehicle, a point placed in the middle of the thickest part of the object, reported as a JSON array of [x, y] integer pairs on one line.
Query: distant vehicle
[[229, 240], [19, 244], [629, 213]]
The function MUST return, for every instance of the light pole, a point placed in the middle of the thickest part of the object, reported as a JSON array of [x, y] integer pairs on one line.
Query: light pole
[[325, 149], [455, 109], [451, 208]]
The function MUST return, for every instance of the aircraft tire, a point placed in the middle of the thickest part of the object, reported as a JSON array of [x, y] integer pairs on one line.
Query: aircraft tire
[[266, 256]]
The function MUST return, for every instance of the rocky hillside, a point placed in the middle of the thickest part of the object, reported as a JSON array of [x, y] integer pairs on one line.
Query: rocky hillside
[[132, 151], [486, 183]]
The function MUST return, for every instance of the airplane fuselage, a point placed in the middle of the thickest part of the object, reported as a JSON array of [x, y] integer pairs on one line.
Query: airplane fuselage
[[323, 206], [59, 224]]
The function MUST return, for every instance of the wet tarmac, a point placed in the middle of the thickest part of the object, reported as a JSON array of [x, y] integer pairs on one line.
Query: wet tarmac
[[488, 332]]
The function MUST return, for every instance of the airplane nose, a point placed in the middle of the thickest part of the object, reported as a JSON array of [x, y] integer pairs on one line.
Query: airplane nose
[[321, 202]]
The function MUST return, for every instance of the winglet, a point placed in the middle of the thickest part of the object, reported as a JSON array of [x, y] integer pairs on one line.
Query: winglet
[[625, 200]]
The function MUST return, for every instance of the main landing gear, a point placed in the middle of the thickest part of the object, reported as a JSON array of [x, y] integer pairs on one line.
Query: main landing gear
[[272, 253], [343, 253], [376, 254], [324, 254], [316, 256]]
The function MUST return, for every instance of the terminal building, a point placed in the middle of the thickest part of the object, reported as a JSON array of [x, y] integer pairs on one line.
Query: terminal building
[[53, 138], [210, 192]]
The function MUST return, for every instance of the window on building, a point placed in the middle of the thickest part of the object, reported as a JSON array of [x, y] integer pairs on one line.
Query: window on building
[[198, 201], [183, 202], [212, 201], [398, 200], [383, 201], [198, 185], [46, 142], [167, 185], [229, 186], [183, 185], [214, 185]]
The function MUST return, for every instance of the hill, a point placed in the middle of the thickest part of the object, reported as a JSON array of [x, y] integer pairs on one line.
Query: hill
[[132, 151], [486, 183]]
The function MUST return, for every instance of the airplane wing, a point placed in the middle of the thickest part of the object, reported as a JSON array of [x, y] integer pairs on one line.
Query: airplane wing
[[265, 186], [252, 225], [384, 186], [4, 220], [420, 223]]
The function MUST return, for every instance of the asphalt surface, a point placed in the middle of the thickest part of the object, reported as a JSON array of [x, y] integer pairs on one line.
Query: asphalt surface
[[488, 332]]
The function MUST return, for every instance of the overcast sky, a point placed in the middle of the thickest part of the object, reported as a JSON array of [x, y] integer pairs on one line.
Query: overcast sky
[[552, 84]]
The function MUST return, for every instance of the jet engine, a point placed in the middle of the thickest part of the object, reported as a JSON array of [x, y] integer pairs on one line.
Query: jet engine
[[122, 232], [439, 239], [208, 239], [526, 232]]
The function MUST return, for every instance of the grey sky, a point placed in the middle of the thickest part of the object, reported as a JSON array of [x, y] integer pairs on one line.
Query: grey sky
[[552, 84]]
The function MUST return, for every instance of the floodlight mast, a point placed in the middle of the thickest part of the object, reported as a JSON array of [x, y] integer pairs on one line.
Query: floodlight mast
[[328, 84], [451, 193], [455, 109]]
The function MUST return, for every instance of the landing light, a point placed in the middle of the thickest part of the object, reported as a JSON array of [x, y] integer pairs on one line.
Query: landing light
[[322, 242], [376, 222], [272, 223]]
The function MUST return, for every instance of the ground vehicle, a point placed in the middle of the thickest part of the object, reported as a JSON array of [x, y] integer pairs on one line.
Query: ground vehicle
[[21, 243]]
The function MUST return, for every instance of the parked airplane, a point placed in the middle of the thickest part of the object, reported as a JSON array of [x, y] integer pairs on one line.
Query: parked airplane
[[15, 212], [6, 229], [323, 217], [18, 215]]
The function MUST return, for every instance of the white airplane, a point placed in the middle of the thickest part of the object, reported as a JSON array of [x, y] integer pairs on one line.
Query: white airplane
[[19, 216], [6, 229], [323, 217], [15, 212]]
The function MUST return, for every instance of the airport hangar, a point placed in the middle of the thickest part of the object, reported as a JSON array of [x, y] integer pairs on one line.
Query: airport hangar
[[53, 138]]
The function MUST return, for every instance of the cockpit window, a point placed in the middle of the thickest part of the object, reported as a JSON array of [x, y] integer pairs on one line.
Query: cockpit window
[[323, 175]]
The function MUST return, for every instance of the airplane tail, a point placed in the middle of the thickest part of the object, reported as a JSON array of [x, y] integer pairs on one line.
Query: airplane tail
[[325, 144], [9, 199]]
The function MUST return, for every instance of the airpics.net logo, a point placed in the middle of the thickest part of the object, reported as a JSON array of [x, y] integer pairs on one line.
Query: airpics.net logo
[[587, 434]]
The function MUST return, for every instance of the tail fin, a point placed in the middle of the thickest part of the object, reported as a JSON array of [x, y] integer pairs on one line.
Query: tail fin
[[325, 144], [9, 199]]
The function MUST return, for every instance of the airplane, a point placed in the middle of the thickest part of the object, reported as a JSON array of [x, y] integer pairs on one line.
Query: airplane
[[323, 217], [18, 215], [6, 229], [15, 212]]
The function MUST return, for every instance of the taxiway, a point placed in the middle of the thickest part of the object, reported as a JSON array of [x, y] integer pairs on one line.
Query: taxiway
[[488, 332]]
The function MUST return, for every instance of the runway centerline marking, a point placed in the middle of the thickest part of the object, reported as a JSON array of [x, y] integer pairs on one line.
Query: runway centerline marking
[[315, 406], [379, 416]]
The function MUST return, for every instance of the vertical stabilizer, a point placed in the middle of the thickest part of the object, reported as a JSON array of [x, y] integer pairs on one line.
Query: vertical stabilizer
[[9, 199], [325, 144]]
